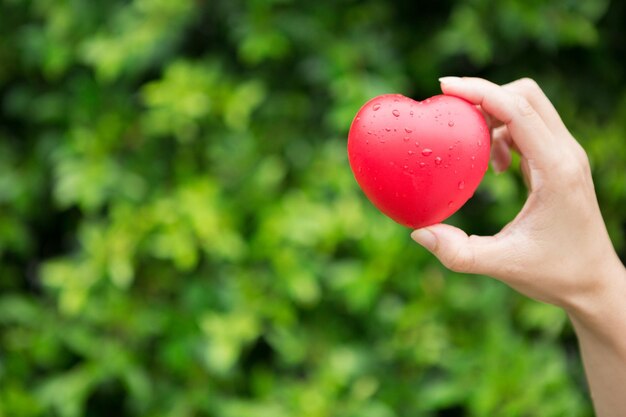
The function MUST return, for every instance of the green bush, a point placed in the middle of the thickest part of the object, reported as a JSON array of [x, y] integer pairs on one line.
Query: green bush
[[180, 233]]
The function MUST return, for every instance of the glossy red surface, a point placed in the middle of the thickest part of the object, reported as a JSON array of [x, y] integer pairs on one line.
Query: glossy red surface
[[418, 162]]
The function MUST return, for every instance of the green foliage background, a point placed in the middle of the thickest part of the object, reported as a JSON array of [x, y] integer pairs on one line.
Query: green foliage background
[[180, 233]]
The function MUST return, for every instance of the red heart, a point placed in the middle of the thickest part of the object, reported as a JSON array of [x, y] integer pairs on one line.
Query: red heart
[[418, 162]]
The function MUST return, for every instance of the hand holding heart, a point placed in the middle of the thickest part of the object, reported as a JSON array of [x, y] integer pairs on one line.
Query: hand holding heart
[[557, 249], [418, 162]]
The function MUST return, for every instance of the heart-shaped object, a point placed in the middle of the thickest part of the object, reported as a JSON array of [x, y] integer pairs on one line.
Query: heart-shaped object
[[418, 162]]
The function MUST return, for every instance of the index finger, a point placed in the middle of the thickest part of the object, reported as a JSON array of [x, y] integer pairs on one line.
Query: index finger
[[537, 98], [528, 130]]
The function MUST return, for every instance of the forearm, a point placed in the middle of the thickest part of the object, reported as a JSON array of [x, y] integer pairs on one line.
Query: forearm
[[601, 329]]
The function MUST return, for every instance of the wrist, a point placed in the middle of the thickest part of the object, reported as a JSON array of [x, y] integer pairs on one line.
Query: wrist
[[602, 310]]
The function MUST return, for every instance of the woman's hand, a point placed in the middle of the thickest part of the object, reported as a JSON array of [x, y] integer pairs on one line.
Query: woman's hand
[[557, 249]]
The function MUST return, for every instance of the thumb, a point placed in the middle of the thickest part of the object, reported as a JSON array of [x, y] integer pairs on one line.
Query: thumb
[[460, 252]]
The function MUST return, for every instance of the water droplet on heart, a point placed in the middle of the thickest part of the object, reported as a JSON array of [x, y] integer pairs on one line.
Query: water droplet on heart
[[427, 152], [395, 113], [358, 118], [376, 107], [438, 160], [422, 164], [472, 166], [406, 138], [451, 147], [411, 112], [406, 167], [360, 169], [369, 132], [450, 123], [479, 143], [461, 185], [388, 129], [417, 144], [449, 203], [410, 153], [407, 130], [473, 158]]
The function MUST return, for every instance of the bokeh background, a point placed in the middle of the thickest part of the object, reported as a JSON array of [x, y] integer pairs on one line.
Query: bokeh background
[[180, 233]]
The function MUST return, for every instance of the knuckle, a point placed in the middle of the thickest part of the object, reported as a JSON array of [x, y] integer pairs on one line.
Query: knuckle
[[511, 270], [529, 86], [581, 156], [572, 171], [461, 260], [523, 106]]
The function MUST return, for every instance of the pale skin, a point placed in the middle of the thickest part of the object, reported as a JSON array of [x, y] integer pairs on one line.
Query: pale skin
[[557, 250]]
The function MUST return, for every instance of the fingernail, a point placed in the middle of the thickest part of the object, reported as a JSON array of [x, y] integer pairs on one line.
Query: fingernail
[[450, 80], [425, 237]]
